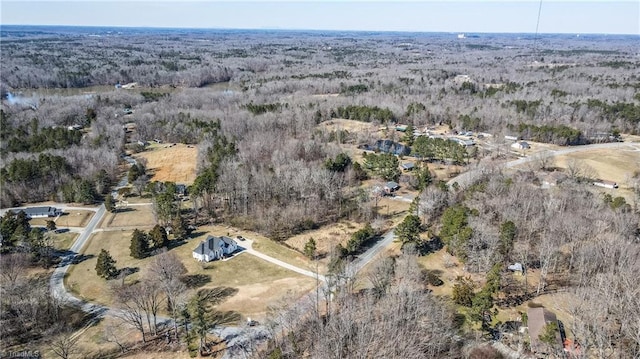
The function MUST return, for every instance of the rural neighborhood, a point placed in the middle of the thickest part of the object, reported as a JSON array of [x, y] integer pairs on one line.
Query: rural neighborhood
[[230, 193]]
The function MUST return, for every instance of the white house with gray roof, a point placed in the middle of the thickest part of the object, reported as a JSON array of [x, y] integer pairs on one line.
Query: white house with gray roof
[[214, 248], [39, 212]]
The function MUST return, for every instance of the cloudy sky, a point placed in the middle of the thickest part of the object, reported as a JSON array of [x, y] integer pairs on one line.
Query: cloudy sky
[[570, 16]]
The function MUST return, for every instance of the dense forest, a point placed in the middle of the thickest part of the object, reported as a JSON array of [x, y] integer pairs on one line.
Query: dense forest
[[76, 101]]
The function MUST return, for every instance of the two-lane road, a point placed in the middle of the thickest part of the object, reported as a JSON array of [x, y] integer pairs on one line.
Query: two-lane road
[[56, 283]]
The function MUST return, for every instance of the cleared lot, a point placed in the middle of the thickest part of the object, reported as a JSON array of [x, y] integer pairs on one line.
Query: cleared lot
[[168, 162]]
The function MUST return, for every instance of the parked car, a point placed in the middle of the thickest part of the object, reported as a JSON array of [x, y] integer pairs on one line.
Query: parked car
[[240, 238]]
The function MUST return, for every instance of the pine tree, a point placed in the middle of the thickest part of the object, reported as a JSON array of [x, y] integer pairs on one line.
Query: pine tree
[[108, 203], [139, 244], [106, 265], [159, 237], [310, 248], [409, 229]]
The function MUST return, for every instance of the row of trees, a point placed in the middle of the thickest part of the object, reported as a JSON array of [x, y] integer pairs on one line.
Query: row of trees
[[142, 244]]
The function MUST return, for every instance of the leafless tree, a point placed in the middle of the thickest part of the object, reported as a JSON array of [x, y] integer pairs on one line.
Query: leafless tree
[[167, 270], [65, 345]]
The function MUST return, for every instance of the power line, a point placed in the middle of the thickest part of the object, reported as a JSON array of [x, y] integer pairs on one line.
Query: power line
[[535, 39]]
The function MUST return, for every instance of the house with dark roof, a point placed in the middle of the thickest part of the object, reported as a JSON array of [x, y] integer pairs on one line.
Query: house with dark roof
[[521, 145], [39, 212], [538, 319], [181, 190], [409, 166], [214, 248], [391, 187]]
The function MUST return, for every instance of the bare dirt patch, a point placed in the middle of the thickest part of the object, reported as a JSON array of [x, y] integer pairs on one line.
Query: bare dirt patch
[[174, 163]]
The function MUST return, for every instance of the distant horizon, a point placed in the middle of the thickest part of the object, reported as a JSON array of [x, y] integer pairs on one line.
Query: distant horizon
[[471, 33], [617, 17]]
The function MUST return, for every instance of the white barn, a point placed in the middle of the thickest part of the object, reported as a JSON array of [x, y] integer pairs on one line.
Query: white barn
[[214, 248]]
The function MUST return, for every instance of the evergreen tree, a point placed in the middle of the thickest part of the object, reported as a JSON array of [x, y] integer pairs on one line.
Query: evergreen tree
[[462, 293], [159, 237], [408, 135], [508, 233], [310, 248], [423, 176], [106, 265], [409, 229], [179, 227], [108, 203], [51, 225], [139, 244]]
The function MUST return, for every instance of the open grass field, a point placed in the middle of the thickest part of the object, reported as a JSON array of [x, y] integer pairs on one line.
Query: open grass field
[[63, 241], [260, 282], [326, 237], [612, 165], [351, 126], [171, 163], [129, 217]]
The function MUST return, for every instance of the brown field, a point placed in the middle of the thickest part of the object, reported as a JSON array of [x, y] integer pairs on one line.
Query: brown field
[[326, 237], [175, 164], [130, 216], [612, 165], [436, 263], [253, 276], [349, 125]]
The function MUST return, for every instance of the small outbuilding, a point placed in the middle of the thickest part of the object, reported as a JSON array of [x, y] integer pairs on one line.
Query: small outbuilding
[[391, 186], [521, 145], [605, 184], [516, 267], [409, 166]]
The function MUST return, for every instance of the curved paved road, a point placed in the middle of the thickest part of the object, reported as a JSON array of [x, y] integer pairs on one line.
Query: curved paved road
[[56, 283]]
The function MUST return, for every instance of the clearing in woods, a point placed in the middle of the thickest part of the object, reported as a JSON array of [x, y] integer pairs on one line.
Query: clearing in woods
[[609, 164], [171, 163]]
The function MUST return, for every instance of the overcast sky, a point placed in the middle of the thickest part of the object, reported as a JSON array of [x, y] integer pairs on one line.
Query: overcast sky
[[579, 17]]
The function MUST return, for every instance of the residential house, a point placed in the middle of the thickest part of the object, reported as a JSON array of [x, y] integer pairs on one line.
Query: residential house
[[214, 248], [391, 186], [462, 142], [409, 166], [39, 212], [181, 190], [538, 319]]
